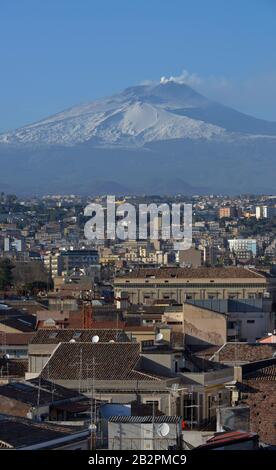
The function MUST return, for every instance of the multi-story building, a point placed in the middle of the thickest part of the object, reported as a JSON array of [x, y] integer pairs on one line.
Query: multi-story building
[[242, 245], [52, 262], [265, 212], [78, 259], [210, 255], [227, 212], [14, 244], [144, 286]]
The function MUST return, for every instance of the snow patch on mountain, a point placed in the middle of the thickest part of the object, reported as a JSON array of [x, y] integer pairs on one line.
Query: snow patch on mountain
[[137, 116], [136, 122]]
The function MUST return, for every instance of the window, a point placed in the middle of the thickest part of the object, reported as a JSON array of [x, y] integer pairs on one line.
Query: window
[[154, 403], [250, 321], [77, 334], [53, 335]]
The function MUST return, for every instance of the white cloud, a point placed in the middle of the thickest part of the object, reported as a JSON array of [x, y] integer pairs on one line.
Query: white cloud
[[185, 77]]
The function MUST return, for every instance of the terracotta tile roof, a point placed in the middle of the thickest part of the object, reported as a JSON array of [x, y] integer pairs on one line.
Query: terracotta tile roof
[[204, 352], [201, 272], [113, 361], [268, 339], [263, 375], [244, 352], [50, 336], [228, 438], [260, 396], [18, 339]]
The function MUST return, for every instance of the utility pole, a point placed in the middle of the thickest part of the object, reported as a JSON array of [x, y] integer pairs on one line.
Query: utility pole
[[93, 411], [153, 420], [80, 370]]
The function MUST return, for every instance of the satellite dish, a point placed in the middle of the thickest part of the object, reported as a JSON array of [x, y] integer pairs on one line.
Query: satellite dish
[[72, 341], [159, 337], [6, 356], [269, 334], [95, 339], [163, 430], [112, 341]]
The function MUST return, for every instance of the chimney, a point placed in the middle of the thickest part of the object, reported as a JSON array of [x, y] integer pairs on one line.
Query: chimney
[[238, 373], [87, 316]]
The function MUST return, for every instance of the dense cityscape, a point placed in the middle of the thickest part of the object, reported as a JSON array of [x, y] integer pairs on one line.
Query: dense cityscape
[[137, 233], [132, 344]]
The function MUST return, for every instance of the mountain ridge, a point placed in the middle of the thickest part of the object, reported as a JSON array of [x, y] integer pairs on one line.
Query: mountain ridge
[[146, 138], [139, 115]]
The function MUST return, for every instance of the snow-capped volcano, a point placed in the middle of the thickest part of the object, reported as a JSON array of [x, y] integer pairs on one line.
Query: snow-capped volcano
[[146, 138], [136, 116]]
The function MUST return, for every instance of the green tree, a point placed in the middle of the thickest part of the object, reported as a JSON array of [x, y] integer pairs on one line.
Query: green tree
[[6, 275]]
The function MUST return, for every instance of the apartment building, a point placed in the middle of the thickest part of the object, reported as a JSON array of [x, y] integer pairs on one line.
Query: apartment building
[[52, 262], [241, 245], [80, 259], [227, 212], [265, 212]]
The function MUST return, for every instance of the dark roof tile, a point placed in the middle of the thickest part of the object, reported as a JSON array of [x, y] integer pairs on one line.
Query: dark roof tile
[[50, 336], [108, 361]]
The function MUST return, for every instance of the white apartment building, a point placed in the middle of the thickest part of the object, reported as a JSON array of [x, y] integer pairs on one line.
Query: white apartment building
[[243, 244], [265, 212]]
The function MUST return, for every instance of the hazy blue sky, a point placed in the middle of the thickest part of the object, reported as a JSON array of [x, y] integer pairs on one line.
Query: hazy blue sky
[[57, 53]]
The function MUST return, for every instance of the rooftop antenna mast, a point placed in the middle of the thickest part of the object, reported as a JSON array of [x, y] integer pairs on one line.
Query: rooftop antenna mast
[[38, 391], [153, 421], [80, 371], [93, 407]]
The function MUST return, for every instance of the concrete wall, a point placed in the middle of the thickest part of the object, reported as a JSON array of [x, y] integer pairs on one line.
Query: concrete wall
[[253, 325], [201, 326], [204, 325], [163, 363], [37, 363], [139, 436], [13, 407]]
